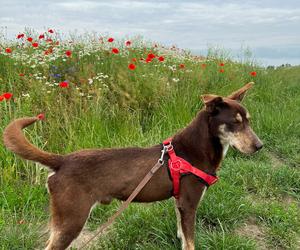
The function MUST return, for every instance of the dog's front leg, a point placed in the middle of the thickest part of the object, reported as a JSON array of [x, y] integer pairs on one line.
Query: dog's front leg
[[186, 223], [186, 206]]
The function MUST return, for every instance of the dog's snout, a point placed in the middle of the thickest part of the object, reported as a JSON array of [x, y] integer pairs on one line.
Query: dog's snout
[[258, 145]]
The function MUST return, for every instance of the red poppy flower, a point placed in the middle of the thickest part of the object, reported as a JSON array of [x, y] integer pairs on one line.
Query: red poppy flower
[[30, 39], [203, 65], [253, 73], [64, 84], [50, 31], [133, 59], [161, 59], [57, 43], [35, 45], [68, 53], [222, 70], [131, 66], [115, 50], [8, 50], [148, 59], [41, 36], [21, 74], [41, 116], [1, 98], [20, 36], [49, 40], [182, 66], [110, 40], [151, 56], [222, 64], [128, 43], [7, 95]]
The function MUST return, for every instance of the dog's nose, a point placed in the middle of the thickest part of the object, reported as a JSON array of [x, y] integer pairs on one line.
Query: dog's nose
[[258, 146]]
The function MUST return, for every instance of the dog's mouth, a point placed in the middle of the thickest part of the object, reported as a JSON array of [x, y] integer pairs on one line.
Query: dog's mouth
[[244, 151]]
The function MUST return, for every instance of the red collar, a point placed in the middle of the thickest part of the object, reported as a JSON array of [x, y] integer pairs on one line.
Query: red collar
[[179, 166]]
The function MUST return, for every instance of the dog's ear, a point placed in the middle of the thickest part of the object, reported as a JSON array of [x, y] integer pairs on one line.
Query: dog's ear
[[212, 102], [239, 94]]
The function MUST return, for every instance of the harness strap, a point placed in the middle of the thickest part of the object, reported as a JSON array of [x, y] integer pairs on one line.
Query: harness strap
[[178, 167]]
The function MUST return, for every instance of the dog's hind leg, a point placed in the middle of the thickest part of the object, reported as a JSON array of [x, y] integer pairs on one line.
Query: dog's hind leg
[[70, 211]]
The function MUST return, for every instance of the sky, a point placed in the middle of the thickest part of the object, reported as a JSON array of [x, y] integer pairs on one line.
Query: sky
[[269, 28]]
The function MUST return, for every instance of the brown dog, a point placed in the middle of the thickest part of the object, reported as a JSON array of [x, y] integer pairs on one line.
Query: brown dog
[[82, 178]]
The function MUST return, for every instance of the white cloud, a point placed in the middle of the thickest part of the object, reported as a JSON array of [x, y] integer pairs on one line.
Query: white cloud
[[117, 5], [77, 6]]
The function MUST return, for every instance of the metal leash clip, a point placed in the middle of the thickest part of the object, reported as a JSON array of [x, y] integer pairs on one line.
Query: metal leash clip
[[163, 151]]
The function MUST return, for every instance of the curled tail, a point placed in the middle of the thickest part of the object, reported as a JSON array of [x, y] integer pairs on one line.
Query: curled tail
[[15, 141]]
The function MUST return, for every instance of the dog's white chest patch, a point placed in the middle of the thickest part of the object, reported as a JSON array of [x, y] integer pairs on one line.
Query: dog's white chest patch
[[225, 149]]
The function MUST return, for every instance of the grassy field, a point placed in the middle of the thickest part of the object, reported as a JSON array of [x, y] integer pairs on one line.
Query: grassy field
[[106, 102]]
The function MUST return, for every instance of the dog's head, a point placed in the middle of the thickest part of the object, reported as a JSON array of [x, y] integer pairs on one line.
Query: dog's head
[[229, 121]]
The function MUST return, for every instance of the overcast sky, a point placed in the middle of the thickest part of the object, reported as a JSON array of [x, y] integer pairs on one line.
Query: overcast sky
[[271, 28]]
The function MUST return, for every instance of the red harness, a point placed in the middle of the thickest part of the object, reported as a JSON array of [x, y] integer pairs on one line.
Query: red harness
[[179, 166]]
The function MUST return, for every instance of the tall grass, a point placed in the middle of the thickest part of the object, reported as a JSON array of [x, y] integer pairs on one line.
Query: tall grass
[[108, 105]]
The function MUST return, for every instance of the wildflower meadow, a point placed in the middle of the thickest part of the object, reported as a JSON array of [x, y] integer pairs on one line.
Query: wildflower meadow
[[97, 91]]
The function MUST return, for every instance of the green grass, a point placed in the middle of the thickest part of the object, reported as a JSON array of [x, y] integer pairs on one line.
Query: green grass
[[140, 108]]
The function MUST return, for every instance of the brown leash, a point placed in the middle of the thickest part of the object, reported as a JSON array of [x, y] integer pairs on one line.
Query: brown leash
[[129, 199]]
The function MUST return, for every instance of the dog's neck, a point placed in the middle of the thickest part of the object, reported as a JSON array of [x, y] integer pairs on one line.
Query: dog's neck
[[196, 144]]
